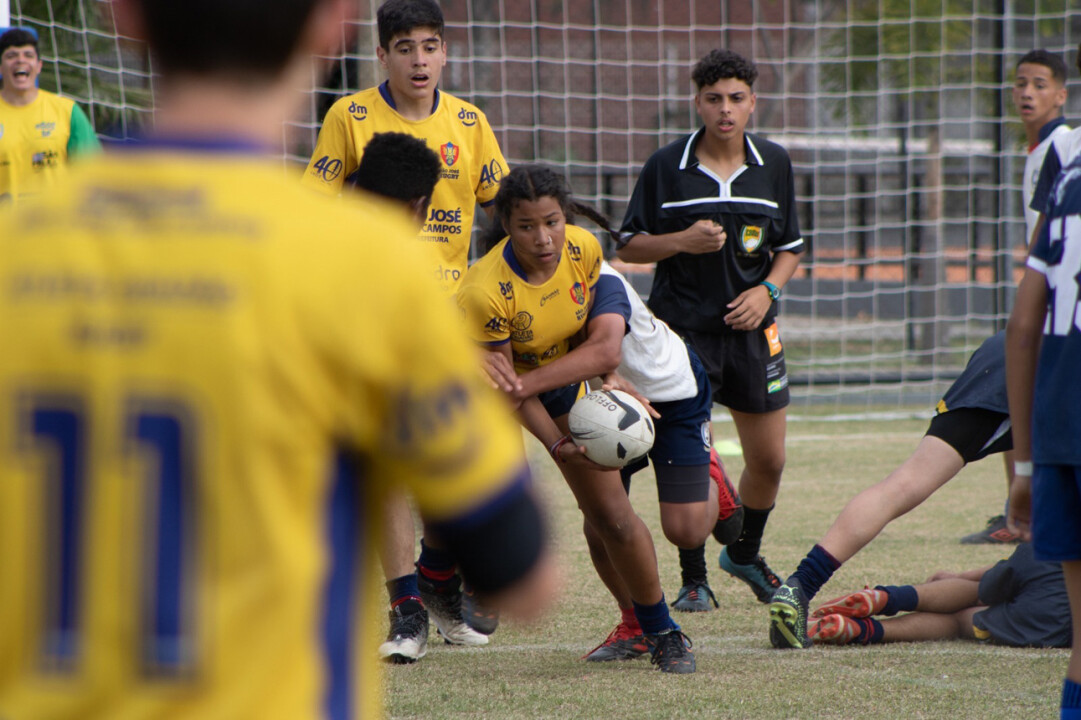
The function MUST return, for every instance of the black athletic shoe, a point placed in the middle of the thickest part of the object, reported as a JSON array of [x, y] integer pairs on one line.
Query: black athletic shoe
[[407, 640], [671, 652], [695, 597], [788, 617], [996, 533], [444, 603], [482, 619]]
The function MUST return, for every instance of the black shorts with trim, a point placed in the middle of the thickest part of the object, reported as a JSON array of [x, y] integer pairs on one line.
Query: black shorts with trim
[[974, 433], [746, 369]]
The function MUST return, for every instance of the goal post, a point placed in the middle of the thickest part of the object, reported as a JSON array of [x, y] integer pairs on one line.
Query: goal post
[[897, 115]]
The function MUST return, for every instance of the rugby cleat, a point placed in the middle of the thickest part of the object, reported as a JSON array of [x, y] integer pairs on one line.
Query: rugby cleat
[[444, 603], [623, 643], [482, 619], [756, 574], [788, 617], [861, 604], [671, 652], [839, 629], [407, 640], [996, 533], [695, 597]]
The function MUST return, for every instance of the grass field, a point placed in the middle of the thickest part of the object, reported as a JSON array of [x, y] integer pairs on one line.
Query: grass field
[[536, 672]]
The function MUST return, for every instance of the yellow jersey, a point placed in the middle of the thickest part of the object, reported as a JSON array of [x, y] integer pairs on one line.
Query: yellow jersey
[[36, 141], [192, 347], [537, 320], [457, 131]]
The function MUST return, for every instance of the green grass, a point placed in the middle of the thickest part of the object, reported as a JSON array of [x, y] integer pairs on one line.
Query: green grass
[[529, 672]]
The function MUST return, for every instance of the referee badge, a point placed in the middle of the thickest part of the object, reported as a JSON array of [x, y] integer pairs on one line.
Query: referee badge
[[750, 238]]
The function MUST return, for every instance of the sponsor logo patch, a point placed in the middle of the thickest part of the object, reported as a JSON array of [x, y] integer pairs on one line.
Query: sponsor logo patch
[[359, 112], [468, 117], [773, 337]]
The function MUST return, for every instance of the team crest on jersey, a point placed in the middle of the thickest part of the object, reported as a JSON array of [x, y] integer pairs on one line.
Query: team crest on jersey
[[450, 153], [578, 293], [750, 238]]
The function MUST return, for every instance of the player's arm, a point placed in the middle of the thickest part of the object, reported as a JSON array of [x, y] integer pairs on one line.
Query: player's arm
[[750, 306], [704, 236], [82, 140], [1024, 333], [598, 355]]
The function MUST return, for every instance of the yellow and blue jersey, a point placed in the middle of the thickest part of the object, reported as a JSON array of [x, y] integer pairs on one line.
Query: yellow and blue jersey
[[36, 141], [458, 132], [194, 353], [537, 320]]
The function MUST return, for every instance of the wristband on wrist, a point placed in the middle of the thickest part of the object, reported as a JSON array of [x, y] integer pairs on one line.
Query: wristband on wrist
[[1022, 467], [773, 290], [554, 450]]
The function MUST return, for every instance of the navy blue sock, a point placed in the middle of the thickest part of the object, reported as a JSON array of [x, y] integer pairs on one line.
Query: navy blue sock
[[654, 618], [870, 632], [435, 564], [815, 570], [1071, 700], [902, 598], [403, 588]]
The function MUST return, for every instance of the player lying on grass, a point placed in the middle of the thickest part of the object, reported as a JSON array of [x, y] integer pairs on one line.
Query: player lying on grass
[[527, 299], [1019, 602], [972, 422], [632, 350]]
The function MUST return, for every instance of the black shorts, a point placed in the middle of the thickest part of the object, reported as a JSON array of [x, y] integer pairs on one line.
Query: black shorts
[[973, 432], [746, 369]]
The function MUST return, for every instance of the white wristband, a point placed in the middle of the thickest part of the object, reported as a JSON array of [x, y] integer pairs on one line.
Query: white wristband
[[1022, 467]]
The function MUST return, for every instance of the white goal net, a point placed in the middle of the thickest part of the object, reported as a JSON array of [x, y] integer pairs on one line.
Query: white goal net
[[897, 115]]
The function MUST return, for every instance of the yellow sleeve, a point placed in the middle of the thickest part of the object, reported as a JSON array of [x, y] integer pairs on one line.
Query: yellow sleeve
[[485, 320], [335, 156], [493, 164]]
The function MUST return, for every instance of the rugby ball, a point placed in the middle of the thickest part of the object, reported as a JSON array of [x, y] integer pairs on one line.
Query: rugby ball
[[612, 426]]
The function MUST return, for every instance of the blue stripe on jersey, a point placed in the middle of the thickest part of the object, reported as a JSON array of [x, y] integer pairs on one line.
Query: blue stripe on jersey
[[610, 296], [343, 535], [230, 144]]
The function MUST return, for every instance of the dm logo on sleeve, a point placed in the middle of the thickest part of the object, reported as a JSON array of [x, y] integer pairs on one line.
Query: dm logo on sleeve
[[750, 238], [468, 117], [449, 153]]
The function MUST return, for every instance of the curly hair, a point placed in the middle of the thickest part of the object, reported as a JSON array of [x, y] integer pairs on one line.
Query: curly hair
[[531, 183], [722, 65]]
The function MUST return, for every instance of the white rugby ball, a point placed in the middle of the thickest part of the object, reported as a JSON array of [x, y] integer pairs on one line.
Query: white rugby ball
[[612, 426]]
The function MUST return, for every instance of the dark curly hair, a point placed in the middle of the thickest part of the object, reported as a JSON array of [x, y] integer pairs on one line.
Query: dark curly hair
[[531, 183], [722, 65]]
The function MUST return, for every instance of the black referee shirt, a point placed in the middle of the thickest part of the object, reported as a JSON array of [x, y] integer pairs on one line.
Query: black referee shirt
[[756, 206]]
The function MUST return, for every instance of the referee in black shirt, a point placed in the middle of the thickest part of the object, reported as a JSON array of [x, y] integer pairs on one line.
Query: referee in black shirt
[[716, 210]]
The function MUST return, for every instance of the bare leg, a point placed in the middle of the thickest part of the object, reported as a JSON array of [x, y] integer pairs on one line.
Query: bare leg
[[930, 467], [762, 437], [948, 595], [399, 539], [919, 626], [687, 525], [1007, 458], [604, 567]]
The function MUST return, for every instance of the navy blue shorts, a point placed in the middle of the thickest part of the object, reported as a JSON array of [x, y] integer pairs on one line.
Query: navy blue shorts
[[681, 445], [1056, 507], [558, 402]]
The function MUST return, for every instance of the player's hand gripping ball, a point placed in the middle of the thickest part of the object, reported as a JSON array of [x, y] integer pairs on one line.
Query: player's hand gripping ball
[[612, 426]]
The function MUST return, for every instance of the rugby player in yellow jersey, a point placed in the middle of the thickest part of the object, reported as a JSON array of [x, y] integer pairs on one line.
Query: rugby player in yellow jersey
[[204, 388], [413, 52], [527, 298], [39, 130]]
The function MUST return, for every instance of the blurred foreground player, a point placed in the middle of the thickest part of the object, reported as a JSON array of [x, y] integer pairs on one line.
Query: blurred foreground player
[[205, 386]]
